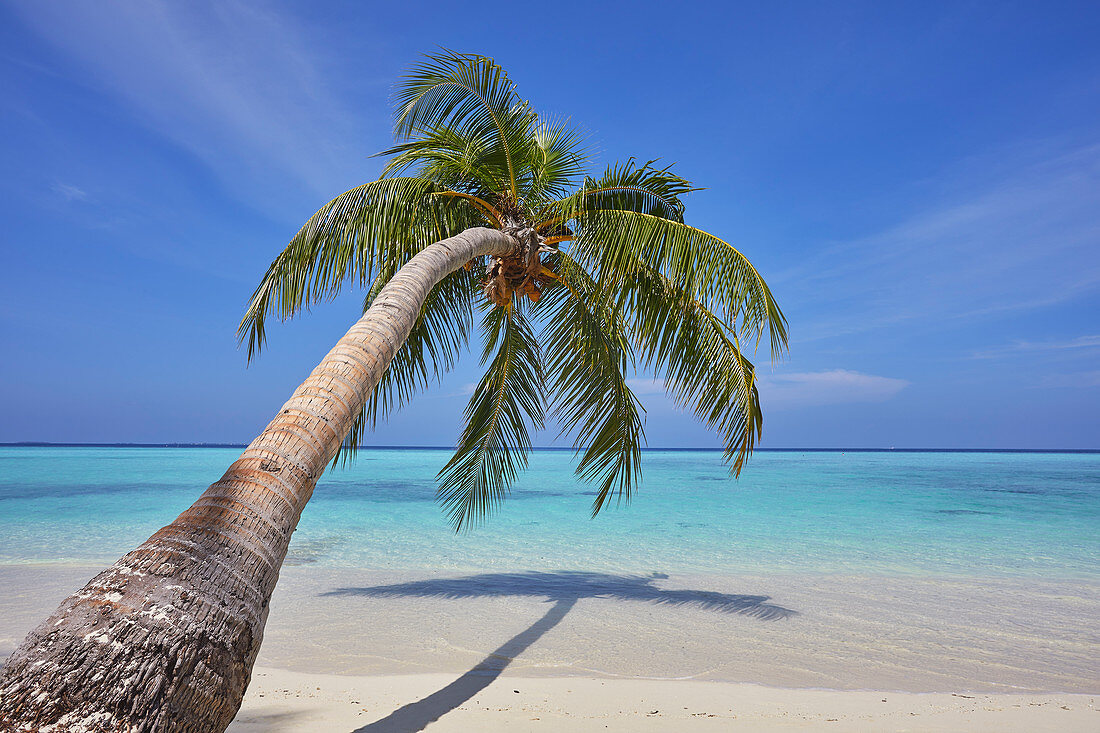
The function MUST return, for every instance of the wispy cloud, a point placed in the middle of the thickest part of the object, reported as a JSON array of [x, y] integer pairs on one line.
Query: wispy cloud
[[1075, 380], [834, 387], [464, 391], [70, 193], [1081, 342], [805, 389], [1023, 241], [642, 386], [236, 85]]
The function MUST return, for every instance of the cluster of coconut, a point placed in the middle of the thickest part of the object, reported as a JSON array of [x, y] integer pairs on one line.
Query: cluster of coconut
[[521, 272], [510, 275]]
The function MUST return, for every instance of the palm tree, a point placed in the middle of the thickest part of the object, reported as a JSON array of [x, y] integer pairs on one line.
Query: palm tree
[[468, 217]]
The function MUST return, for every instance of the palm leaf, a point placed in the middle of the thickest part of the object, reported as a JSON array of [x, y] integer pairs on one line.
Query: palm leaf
[[470, 95], [587, 356], [698, 357], [616, 244], [495, 442], [474, 166], [627, 186], [557, 161], [385, 221]]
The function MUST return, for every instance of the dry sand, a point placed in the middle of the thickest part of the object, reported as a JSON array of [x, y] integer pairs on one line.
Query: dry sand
[[293, 701], [954, 654]]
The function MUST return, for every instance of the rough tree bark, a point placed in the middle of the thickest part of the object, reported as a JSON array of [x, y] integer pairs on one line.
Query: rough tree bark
[[165, 639]]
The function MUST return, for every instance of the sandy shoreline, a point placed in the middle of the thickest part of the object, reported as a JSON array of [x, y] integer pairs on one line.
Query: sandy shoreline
[[279, 700], [386, 651]]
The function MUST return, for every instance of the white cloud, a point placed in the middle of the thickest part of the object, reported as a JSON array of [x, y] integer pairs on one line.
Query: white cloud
[[1081, 342], [70, 193], [834, 387], [464, 391], [1073, 380], [643, 386], [238, 86], [805, 389], [1021, 235]]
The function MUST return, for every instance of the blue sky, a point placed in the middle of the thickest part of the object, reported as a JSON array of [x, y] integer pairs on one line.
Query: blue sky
[[919, 182]]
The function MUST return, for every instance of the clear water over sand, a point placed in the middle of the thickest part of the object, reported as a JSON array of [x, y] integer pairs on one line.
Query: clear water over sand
[[980, 514], [909, 571]]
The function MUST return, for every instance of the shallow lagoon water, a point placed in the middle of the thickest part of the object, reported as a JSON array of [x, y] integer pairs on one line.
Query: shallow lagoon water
[[903, 571], [857, 513]]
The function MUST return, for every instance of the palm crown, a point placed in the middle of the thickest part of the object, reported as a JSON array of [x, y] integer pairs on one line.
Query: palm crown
[[606, 278]]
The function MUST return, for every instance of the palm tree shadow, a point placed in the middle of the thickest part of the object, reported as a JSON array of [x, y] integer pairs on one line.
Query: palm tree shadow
[[418, 715], [562, 588]]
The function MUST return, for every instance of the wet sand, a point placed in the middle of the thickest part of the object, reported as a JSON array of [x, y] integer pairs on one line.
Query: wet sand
[[588, 650]]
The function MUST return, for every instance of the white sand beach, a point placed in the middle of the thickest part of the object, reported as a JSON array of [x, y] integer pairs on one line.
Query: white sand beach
[[350, 650], [294, 701]]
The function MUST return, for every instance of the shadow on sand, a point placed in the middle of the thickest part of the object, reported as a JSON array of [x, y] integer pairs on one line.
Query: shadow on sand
[[564, 589], [267, 722]]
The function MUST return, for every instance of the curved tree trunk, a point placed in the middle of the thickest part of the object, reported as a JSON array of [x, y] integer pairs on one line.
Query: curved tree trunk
[[165, 639]]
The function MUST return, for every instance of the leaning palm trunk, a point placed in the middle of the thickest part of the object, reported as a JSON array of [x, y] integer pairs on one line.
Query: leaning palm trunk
[[165, 639]]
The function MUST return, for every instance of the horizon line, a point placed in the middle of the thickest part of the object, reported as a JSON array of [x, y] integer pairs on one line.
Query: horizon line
[[50, 444]]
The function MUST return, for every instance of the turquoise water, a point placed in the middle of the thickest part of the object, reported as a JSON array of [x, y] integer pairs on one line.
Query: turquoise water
[[890, 513]]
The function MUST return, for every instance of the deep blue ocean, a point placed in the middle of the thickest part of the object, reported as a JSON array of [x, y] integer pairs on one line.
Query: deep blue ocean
[[862, 513]]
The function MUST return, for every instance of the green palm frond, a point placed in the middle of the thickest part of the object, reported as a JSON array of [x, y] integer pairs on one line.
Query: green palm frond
[[616, 244], [454, 162], [645, 189], [472, 96], [385, 221], [698, 357], [495, 442], [556, 161], [588, 353]]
